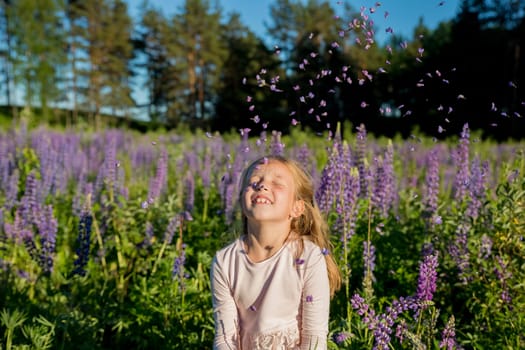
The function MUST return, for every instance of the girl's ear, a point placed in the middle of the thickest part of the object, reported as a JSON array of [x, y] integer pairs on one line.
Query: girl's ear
[[297, 209]]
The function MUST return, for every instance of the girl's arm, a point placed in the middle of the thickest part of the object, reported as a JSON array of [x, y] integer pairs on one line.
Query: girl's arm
[[315, 304], [224, 311]]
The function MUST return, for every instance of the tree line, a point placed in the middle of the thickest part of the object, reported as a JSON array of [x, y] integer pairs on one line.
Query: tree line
[[203, 68]]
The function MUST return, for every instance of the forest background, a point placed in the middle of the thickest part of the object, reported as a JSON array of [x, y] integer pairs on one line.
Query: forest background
[[79, 60]]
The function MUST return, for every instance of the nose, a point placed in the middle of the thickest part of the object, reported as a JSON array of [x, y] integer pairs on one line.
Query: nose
[[260, 186]]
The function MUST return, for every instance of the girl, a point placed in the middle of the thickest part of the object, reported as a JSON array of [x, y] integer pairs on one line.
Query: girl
[[271, 287]]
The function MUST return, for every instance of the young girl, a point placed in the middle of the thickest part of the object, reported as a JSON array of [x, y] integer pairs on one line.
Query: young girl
[[271, 287]]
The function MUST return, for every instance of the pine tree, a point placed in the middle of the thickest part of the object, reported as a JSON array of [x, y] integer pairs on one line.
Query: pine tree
[[38, 50], [101, 35], [197, 36]]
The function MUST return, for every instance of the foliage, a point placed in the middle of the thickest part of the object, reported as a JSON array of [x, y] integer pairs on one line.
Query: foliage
[[112, 248]]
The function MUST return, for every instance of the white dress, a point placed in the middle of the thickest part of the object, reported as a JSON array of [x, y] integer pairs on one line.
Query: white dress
[[279, 303]]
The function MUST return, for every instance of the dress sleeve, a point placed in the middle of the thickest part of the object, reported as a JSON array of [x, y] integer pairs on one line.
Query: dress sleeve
[[315, 304], [224, 311]]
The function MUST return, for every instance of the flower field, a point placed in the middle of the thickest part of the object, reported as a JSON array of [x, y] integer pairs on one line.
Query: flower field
[[107, 237]]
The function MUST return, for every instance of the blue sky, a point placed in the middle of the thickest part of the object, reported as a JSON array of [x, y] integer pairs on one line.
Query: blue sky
[[403, 15]]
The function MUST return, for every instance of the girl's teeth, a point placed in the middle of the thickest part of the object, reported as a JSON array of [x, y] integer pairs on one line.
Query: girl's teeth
[[262, 201]]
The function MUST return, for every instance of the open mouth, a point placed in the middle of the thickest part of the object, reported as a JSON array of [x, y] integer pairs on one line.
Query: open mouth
[[261, 200]]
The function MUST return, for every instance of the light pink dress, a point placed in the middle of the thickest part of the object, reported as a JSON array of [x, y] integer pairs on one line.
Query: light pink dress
[[279, 303]]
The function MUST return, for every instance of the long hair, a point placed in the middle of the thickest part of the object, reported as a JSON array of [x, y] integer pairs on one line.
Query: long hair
[[311, 224]]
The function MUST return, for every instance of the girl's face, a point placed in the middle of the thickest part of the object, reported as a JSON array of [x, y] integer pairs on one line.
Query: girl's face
[[269, 193]]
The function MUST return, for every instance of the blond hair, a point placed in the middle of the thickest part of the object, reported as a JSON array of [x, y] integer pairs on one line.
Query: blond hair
[[311, 224]]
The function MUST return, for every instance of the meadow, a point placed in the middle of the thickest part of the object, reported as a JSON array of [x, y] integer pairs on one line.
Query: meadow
[[107, 237]]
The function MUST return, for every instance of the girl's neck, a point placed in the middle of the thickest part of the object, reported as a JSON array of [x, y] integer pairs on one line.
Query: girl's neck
[[262, 242]]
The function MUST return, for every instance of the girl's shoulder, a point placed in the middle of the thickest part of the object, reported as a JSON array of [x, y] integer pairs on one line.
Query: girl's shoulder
[[309, 244], [231, 249], [309, 248]]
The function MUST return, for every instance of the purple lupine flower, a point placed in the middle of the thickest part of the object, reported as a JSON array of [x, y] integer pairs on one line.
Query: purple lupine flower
[[361, 160], [261, 142], [401, 330], [27, 238], [47, 230], [461, 160], [141, 158], [381, 325], [120, 186], [369, 258], [381, 334], [244, 146], [485, 248], [173, 225], [107, 176], [431, 189], [459, 250], [189, 191], [205, 172], [378, 191], [397, 307], [503, 275], [177, 272], [340, 337], [448, 336], [427, 278], [384, 191], [513, 176], [159, 182], [84, 190], [12, 230], [276, 146], [230, 184], [30, 203], [350, 203], [389, 173], [7, 163], [325, 194], [358, 303], [304, 156], [83, 243], [307, 161], [477, 188], [148, 237], [11, 190], [49, 164]]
